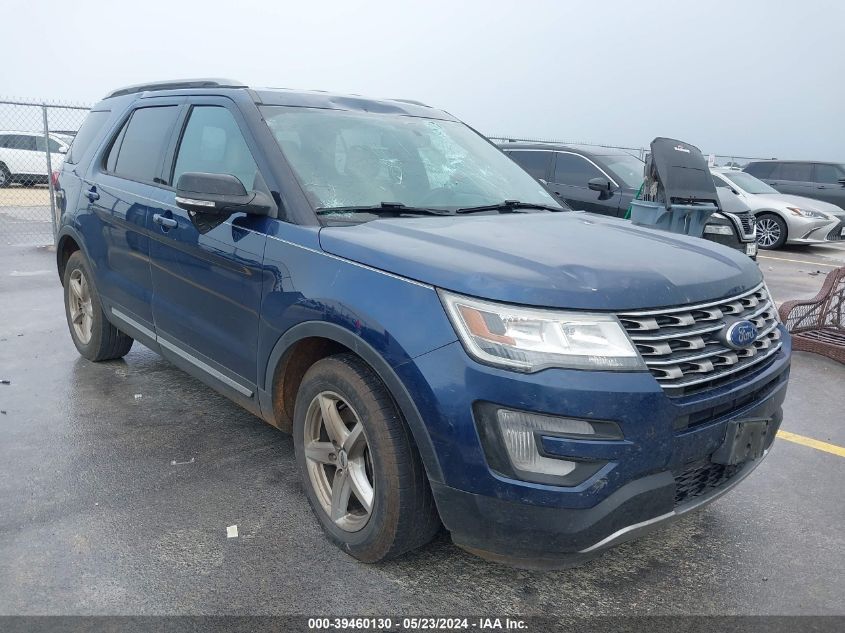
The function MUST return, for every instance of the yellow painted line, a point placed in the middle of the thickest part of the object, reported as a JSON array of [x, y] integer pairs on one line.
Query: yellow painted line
[[809, 441], [798, 261]]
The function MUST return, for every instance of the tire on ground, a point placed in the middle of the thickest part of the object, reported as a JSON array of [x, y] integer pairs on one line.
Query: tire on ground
[[403, 516], [106, 342]]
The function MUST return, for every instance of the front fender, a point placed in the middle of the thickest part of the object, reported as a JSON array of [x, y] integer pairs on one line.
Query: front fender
[[395, 386]]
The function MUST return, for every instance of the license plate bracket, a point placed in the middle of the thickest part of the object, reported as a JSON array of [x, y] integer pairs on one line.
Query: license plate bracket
[[744, 440]]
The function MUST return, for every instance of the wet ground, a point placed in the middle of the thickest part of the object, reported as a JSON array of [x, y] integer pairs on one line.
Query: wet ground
[[118, 481]]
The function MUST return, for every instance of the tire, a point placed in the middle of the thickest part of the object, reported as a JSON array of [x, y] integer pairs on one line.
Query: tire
[[771, 231], [402, 515], [5, 176], [94, 337]]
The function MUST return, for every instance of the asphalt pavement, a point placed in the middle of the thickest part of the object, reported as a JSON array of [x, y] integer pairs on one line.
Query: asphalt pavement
[[118, 481]]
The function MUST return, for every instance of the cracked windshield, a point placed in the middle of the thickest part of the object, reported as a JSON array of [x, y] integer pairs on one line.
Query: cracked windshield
[[352, 162]]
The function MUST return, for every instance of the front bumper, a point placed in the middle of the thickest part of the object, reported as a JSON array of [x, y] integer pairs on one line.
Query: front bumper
[[635, 490], [818, 232]]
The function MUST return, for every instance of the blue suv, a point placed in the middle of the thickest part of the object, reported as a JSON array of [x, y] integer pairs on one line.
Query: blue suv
[[447, 345]]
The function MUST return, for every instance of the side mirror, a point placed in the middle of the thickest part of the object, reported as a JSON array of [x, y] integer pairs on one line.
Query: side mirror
[[62, 149], [219, 193], [600, 184], [841, 181]]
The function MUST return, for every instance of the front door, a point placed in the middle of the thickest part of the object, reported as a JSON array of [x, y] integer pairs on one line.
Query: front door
[[794, 178], [570, 175], [207, 268], [827, 183]]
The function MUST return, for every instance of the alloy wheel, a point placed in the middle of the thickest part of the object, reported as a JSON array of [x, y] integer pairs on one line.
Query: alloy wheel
[[81, 309], [768, 232], [338, 460]]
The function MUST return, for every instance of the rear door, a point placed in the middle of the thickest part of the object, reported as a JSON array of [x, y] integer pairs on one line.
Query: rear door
[[120, 192], [207, 268], [536, 162], [826, 177], [794, 178], [571, 173]]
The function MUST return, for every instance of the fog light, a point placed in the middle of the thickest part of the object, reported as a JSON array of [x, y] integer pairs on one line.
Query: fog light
[[518, 435]]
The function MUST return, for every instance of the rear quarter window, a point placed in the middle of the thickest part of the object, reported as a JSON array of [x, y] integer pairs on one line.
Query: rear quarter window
[[90, 130]]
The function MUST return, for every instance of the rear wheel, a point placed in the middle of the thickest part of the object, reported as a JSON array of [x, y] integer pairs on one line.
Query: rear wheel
[[95, 338], [5, 176], [771, 231], [362, 474]]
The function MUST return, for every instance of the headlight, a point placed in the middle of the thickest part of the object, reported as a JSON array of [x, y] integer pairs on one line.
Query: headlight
[[531, 339], [807, 213], [718, 229]]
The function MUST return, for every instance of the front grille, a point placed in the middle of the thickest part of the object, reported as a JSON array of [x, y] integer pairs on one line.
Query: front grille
[[836, 234], [700, 478], [746, 223], [681, 345]]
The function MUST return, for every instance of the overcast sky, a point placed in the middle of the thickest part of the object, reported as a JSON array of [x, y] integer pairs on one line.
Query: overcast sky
[[753, 78]]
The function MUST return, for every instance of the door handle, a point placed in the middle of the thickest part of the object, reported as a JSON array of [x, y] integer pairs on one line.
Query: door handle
[[92, 194], [169, 223]]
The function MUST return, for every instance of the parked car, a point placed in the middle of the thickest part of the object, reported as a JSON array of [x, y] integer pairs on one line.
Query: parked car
[[604, 180], [782, 218], [444, 341], [819, 180], [23, 157]]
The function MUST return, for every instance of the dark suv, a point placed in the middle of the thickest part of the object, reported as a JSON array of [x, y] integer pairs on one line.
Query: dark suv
[[605, 180], [445, 342], [811, 179]]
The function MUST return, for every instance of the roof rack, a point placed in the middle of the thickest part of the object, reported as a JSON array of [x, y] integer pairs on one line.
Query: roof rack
[[412, 102], [176, 85]]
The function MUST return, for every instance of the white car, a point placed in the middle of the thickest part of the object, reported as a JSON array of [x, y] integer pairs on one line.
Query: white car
[[783, 218], [23, 156]]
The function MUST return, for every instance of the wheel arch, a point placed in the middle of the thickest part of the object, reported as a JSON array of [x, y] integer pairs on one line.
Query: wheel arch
[[67, 243], [304, 344]]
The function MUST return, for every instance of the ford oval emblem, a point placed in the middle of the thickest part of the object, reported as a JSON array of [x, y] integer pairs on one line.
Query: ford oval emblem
[[740, 334]]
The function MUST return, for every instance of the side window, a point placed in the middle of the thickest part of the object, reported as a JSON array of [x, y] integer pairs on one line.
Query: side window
[[827, 174], [571, 169], [793, 172], [213, 143], [90, 129], [761, 170], [23, 141], [137, 152], [535, 163], [41, 146], [720, 183], [4, 141]]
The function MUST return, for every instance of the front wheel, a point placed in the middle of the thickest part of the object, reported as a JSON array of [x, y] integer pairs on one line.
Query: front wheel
[[95, 338], [362, 474], [771, 231]]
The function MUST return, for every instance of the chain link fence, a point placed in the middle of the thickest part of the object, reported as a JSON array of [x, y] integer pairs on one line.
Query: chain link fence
[[34, 139]]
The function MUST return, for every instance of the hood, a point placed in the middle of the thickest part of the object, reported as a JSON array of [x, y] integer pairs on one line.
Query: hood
[[561, 260], [781, 200]]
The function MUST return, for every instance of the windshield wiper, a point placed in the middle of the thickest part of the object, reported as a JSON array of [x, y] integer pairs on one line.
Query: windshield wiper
[[509, 206], [383, 208]]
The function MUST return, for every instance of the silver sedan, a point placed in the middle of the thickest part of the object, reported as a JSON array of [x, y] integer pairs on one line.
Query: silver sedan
[[783, 218]]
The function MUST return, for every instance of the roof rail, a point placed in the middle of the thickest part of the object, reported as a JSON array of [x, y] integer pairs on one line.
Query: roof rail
[[176, 85], [412, 102]]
